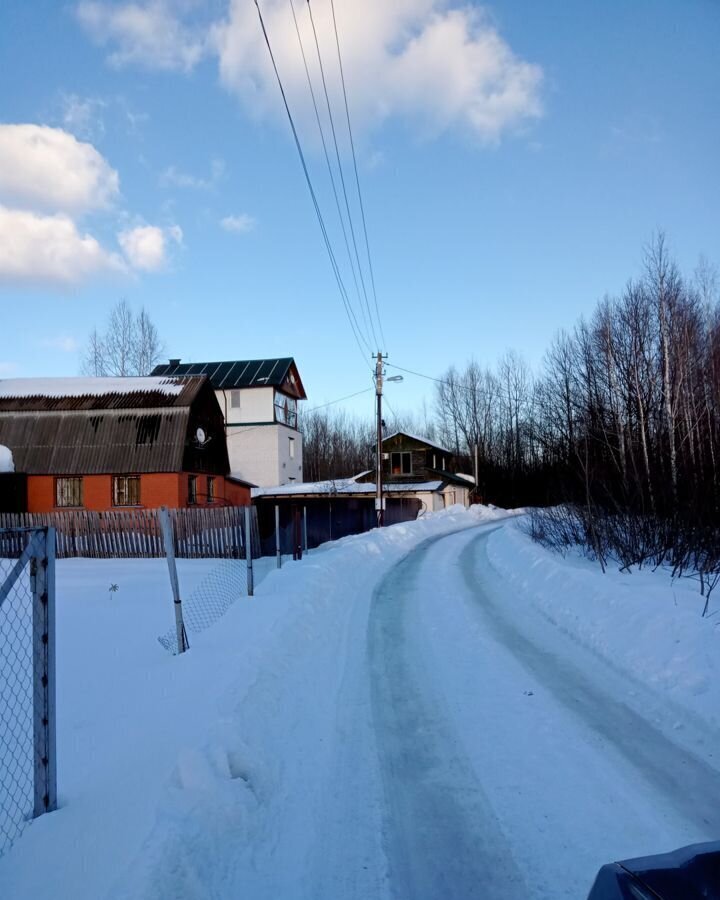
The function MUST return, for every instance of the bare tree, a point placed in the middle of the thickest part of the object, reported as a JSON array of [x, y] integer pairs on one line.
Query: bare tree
[[130, 344]]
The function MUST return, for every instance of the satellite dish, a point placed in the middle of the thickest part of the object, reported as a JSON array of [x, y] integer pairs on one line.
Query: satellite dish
[[200, 436]]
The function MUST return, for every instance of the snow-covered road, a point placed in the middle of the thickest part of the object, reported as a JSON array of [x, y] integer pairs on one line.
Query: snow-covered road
[[514, 761], [436, 710]]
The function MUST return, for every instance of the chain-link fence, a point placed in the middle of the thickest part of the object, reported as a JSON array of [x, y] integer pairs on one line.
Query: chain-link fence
[[27, 679], [227, 581]]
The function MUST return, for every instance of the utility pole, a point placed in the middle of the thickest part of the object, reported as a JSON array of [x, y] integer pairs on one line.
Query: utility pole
[[379, 501]]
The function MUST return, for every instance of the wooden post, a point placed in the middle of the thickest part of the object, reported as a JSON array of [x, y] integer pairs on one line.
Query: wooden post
[[278, 554], [248, 553], [165, 524], [305, 546]]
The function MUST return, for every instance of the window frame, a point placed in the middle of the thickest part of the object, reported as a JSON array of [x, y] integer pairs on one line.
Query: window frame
[[65, 480], [135, 479], [192, 490], [210, 496], [285, 409], [404, 455]]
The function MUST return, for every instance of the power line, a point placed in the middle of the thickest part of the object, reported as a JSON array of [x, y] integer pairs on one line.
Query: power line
[[340, 169], [328, 246], [325, 151], [299, 414], [421, 375], [357, 178], [339, 400]]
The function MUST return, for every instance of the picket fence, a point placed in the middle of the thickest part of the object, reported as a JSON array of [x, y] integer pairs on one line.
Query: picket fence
[[198, 533]]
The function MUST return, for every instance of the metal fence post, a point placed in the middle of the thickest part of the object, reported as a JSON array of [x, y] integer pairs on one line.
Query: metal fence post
[[167, 531], [248, 553], [277, 536], [42, 582], [305, 539]]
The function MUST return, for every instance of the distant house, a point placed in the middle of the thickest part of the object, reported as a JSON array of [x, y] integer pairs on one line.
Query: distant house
[[259, 401], [410, 463], [418, 478], [113, 443]]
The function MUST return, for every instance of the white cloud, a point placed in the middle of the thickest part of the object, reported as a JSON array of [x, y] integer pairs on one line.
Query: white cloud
[[149, 34], [145, 247], [436, 63], [41, 249], [174, 177], [83, 116], [241, 223], [418, 59], [47, 169]]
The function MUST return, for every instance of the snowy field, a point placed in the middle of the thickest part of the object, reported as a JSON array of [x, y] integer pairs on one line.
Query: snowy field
[[438, 709]]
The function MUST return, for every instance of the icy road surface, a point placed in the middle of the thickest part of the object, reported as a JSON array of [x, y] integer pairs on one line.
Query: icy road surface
[[512, 761]]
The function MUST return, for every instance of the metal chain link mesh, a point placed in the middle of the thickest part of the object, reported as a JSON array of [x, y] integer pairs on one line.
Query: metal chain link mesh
[[16, 698], [212, 598]]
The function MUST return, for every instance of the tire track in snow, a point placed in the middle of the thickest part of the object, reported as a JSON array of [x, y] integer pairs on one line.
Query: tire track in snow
[[689, 784], [441, 834]]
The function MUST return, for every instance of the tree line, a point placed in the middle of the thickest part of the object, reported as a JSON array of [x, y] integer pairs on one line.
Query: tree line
[[622, 421]]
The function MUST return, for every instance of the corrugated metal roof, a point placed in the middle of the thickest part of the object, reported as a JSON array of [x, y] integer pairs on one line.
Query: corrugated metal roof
[[90, 442], [233, 374], [145, 431], [65, 394]]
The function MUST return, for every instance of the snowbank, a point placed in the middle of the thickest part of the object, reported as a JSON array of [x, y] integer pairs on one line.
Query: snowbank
[[642, 622], [6, 459]]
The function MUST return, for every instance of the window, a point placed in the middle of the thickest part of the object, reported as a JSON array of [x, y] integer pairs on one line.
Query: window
[[401, 463], [69, 491], [235, 399], [192, 488], [286, 410], [291, 447], [126, 490], [434, 465], [211, 490]]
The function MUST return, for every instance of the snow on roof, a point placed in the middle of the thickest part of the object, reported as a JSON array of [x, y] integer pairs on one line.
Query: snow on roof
[[417, 437], [342, 486], [86, 387], [6, 459], [465, 477]]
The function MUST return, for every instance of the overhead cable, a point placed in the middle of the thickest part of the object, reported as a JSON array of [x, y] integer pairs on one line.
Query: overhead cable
[[328, 246], [340, 169], [357, 178]]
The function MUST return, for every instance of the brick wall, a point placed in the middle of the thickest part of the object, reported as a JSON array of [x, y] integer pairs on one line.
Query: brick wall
[[156, 489]]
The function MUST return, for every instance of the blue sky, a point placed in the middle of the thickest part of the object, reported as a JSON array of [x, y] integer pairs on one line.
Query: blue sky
[[514, 158]]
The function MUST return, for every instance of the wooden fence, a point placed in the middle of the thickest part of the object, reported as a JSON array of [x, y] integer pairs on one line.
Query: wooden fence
[[199, 533]]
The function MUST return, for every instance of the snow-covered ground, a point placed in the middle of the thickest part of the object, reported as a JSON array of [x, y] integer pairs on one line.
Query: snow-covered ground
[[436, 709]]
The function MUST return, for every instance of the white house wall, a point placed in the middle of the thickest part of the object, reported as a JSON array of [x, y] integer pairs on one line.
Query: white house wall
[[256, 405], [261, 454]]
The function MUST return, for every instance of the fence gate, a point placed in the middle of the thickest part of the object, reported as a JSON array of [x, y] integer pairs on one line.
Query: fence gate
[[27, 678]]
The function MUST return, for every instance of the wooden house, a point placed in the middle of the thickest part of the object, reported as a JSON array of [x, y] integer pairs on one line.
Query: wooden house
[[259, 402], [416, 465], [114, 443]]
